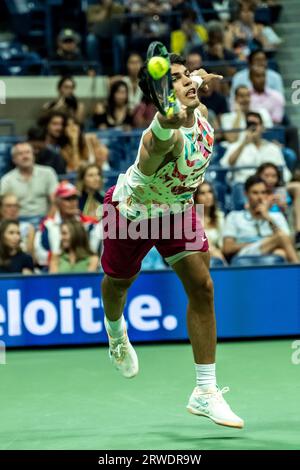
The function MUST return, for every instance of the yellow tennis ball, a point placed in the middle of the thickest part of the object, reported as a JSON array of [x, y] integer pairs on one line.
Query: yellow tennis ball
[[157, 67]]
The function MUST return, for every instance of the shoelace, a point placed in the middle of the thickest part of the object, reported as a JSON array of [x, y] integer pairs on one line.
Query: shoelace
[[119, 350], [218, 395]]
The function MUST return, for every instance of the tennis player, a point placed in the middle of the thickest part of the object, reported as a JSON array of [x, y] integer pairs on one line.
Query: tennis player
[[172, 158]]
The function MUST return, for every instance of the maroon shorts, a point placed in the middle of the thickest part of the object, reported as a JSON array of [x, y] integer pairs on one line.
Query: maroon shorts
[[122, 255]]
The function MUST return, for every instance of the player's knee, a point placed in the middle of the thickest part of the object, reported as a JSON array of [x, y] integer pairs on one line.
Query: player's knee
[[202, 289], [118, 286]]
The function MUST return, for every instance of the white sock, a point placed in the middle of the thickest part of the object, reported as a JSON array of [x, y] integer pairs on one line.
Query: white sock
[[116, 328], [206, 375]]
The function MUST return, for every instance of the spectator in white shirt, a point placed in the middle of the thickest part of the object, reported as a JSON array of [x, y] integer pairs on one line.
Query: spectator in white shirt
[[253, 151], [255, 231], [237, 118]]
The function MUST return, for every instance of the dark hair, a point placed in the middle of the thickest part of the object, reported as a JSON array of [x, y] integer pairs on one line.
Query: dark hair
[[5, 255], [262, 168], [81, 139], [111, 106], [35, 133], [252, 180], [44, 120], [238, 89], [253, 54], [213, 211], [253, 113], [144, 76], [82, 172], [63, 79], [79, 242]]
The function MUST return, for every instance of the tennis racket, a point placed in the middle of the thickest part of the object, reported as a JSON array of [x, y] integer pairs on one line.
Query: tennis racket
[[162, 91]]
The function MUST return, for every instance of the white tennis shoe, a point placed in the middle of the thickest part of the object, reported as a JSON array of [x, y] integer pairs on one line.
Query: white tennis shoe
[[122, 355], [211, 404]]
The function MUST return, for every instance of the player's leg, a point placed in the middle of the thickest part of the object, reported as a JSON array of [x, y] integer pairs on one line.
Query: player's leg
[[206, 399], [121, 352]]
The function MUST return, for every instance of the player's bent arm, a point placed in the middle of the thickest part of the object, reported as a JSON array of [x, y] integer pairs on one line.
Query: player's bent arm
[[230, 247]]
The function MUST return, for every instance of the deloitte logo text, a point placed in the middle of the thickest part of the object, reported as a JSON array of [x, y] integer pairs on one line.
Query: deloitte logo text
[[71, 314]]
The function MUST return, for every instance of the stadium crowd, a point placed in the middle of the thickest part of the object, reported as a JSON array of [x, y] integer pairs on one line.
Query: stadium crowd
[[51, 198]]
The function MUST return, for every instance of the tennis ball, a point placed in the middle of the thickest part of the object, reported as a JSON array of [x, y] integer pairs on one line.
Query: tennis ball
[[157, 67]]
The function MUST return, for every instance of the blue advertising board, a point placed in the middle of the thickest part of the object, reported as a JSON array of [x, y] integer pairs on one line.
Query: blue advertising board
[[66, 309]]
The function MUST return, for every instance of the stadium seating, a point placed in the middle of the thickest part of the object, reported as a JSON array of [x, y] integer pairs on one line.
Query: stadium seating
[[256, 260]]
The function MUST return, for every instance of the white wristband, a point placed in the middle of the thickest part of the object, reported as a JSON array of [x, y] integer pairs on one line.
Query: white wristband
[[160, 132], [197, 80]]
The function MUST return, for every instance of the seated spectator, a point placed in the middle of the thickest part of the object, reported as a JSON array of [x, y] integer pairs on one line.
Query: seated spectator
[[116, 114], [194, 61], [215, 50], [33, 184], [45, 154], [80, 147], [215, 101], [53, 125], [263, 97], [67, 102], [9, 210], [105, 26], [47, 239], [252, 151], [255, 34], [281, 196], [213, 218], [144, 113], [75, 254], [255, 231], [12, 258], [90, 184], [190, 35], [135, 94], [237, 118], [68, 55], [258, 58]]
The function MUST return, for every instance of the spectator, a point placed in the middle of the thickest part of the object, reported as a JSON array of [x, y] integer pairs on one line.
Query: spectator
[[81, 147], [12, 258], [68, 56], [263, 97], [144, 113], [194, 61], [33, 184], [237, 118], [252, 151], [53, 125], [214, 100], [255, 231], [45, 154], [135, 94], [106, 32], [75, 254], [47, 239], [116, 113], [190, 36], [282, 196], [258, 58], [90, 186], [67, 102], [213, 218], [254, 33], [9, 210]]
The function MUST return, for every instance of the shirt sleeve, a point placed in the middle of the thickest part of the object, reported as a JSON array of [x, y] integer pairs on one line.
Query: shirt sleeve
[[231, 148], [4, 185], [281, 222], [27, 262], [230, 226], [52, 181]]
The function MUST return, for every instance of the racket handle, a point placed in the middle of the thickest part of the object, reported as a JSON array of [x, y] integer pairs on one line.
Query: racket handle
[[177, 107]]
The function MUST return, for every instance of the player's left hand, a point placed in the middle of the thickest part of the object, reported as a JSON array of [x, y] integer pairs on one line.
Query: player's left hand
[[207, 78]]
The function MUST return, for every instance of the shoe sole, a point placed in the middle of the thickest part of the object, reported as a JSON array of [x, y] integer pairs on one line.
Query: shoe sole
[[228, 424]]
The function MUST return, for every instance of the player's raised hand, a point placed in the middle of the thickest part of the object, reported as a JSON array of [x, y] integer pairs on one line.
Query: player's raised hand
[[207, 78], [175, 121]]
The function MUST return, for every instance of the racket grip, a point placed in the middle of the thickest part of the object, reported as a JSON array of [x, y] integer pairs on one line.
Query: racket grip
[[177, 107]]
